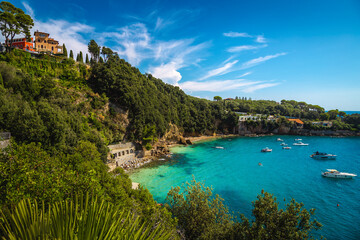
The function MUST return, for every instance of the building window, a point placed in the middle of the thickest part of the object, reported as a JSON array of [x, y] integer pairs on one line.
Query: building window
[[52, 48], [39, 40], [44, 41], [42, 46]]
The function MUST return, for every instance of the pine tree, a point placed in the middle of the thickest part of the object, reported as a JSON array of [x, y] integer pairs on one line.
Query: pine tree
[[81, 59], [87, 59], [71, 54], [65, 51]]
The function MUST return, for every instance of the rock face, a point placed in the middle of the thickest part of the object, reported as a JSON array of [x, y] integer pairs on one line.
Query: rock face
[[188, 141]]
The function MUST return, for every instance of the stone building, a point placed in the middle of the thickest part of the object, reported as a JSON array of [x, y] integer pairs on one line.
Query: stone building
[[45, 44], [122, 152]]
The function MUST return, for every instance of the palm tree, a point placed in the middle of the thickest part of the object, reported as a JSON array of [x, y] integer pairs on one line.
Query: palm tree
[[81, 218]]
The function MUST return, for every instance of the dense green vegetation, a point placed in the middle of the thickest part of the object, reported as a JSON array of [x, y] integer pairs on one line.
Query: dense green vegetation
[[204, 216], [151, 102], [284, 108], [60, 129]]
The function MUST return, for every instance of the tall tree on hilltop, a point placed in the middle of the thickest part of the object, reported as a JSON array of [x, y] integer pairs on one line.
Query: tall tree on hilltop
[[65, 51], [81, 58], [87, 59], [106, 52], [71, 54], [217, 98], [94, 50], [14, 21]]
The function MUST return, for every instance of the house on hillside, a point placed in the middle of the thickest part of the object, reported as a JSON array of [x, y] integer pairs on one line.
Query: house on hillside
[[322, 123], [45, 44], [122, 152], [244, 118], [22, 43], [298, 122]]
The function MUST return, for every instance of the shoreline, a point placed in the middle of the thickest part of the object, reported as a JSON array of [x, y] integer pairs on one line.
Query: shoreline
[[145, 161]]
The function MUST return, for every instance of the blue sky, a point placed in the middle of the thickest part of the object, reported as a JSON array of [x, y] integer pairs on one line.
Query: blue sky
[[306, 50]]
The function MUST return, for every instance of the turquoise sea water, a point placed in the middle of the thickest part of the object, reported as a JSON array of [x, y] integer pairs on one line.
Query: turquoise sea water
[[235, 174]]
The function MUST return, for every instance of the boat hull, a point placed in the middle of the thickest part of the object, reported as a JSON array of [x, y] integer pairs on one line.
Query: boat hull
[[337, 176], [324, 157]]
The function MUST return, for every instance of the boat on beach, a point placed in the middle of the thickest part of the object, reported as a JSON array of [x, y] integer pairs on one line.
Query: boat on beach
[[323, 156], [266, 150], [333, 173], [301, 144]]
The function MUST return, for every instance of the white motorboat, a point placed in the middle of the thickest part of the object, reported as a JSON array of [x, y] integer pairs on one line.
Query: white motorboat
[[323, 156], [283, 144], [300, 144], [333, 173], [266, 150], [287, 148], [297, 139], [279, 140], [219, 147]]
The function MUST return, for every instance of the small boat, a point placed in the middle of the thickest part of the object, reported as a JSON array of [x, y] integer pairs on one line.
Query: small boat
[[301, 144], [297, 139], [283, 144], [266, 150], [324, 156], [219, 147], [333, 173], [279, 140], [287, 148]]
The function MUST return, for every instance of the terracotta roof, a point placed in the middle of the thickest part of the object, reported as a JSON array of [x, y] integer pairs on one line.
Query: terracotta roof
[[296, 120]]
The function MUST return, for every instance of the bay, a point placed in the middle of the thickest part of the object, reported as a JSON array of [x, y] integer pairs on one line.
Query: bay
[[235, 174]]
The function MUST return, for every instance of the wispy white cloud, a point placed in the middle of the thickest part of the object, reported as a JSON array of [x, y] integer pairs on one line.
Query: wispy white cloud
[[242, 85], [244, 48], [220, 71], [251, 89], [236, 34], [259, 60], [260, 39], [162, 23], [28, 9], [215, 86], [245, 74]]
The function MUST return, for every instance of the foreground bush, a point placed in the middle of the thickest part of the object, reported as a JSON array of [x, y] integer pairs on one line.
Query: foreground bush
[[81, 218]]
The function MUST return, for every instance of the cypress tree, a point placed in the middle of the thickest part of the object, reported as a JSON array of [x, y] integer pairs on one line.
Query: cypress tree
[[78, 57], [81, 59], [1, 81], [87, 59], [71, 54], [65, 51]]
